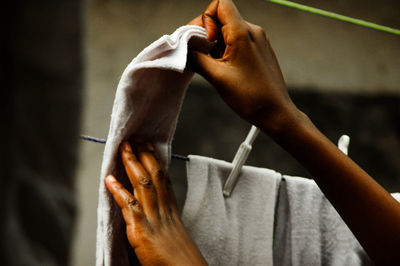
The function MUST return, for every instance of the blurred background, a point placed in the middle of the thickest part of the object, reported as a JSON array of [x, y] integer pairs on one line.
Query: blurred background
[[62, 63]]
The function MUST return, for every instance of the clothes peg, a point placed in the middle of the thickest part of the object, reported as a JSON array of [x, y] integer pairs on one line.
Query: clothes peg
[[343, 144], [239, 160]]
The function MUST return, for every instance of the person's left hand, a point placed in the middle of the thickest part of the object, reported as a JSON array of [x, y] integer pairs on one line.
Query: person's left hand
[[153, 226]]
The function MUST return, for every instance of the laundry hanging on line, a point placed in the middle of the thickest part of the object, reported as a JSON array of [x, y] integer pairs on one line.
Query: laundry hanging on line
[[272, 202]]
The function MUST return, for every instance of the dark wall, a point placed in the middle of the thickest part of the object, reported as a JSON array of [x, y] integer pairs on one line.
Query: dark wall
[[208, 127]]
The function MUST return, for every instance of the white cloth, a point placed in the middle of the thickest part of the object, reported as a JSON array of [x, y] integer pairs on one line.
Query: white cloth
[[151, 88], [231, 231]]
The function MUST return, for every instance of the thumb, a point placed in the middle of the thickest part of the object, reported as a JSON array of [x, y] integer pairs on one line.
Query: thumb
[[203, 64]]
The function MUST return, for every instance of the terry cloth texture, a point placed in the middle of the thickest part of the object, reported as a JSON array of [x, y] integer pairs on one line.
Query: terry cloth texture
[[231, 231], [151, 88], [309, 231], [269, 219]]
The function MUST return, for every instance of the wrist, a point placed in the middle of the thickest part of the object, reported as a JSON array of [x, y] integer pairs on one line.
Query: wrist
[[281, 126]]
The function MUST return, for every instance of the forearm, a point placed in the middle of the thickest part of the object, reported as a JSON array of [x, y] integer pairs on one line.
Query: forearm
[[247, 75], [370, 211]]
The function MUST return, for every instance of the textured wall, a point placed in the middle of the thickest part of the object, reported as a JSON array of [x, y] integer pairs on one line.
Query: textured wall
[[314, 52]]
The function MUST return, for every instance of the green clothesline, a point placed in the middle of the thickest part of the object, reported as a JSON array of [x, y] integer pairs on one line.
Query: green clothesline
[[336, 16]]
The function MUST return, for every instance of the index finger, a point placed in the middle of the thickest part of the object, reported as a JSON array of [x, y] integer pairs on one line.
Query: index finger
[[220, 12], [162, 183], [141, 181]]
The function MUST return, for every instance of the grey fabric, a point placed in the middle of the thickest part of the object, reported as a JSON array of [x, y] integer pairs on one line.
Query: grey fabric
[[231, 231], [309, 231], [270, 219]]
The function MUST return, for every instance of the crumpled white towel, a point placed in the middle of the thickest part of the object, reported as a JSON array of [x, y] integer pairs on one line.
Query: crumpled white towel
[[147, 104], [231, 231]]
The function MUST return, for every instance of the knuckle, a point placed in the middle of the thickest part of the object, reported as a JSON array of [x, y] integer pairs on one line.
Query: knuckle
[[207, 14], [159, 174], [146, 182], [133, 205], [129, 156], [264, 34], [132, 202], [259, 30], [242, 34]]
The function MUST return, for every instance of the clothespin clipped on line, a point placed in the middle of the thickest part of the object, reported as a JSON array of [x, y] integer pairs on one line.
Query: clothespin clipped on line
[[244, 150], [343, 144], [239, 160], [240, 157]]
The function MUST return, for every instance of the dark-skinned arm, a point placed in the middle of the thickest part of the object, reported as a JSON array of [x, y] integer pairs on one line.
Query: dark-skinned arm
[[244, 70]]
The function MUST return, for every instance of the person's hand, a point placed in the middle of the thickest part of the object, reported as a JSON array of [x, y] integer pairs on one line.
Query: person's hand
[[153, 226], [243, 67], [245, 71]]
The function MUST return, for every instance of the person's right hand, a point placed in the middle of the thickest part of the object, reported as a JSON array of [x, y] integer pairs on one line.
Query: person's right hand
[[243, 67], [246, 73]]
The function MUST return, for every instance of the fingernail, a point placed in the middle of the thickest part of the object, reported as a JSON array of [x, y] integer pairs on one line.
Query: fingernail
[[110, 178]]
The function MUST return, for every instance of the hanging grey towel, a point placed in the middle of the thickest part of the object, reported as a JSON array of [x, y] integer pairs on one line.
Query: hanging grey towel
[[309, 231], [268, 220], [231, 231]]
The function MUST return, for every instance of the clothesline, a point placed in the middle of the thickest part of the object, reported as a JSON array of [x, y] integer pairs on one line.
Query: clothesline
[[336, 16], [103, 141]]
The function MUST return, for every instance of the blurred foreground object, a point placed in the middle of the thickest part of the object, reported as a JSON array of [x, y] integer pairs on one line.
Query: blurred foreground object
[[41, 80]]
